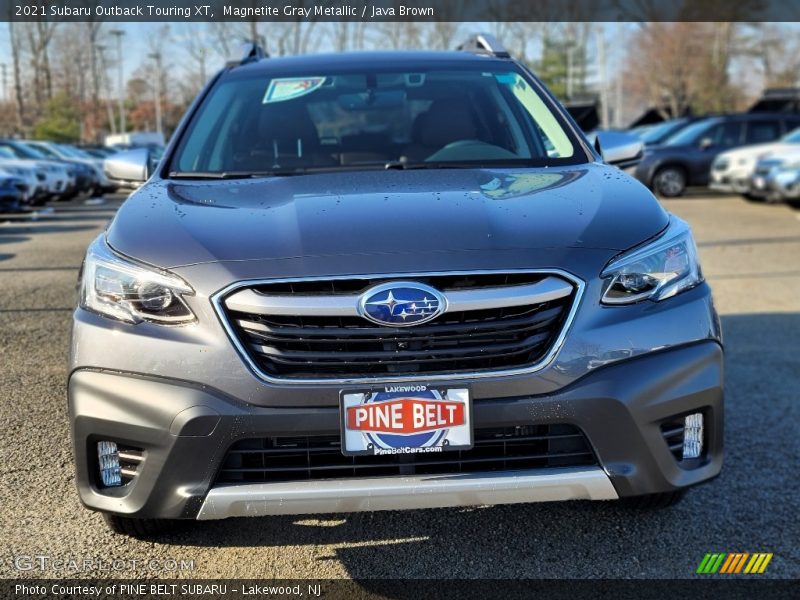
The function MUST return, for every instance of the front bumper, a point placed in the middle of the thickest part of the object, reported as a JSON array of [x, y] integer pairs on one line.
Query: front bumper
[[776, 185], [186, 429], [731, 181], [419, 491]]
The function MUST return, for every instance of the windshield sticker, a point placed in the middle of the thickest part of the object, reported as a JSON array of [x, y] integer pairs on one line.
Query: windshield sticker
[[287, 88]]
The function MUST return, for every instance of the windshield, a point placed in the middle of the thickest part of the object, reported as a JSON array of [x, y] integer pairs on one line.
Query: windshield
[[43, 150], [98, 152], [21, 150], [793, 137], [690, 134], [656, 133], [71, 151], [372, 119]]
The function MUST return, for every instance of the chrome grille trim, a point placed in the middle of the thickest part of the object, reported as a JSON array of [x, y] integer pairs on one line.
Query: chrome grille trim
[[250, 301], [220, 304]]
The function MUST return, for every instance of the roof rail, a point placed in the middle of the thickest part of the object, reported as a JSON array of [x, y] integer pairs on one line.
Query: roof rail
[[251, 52], [484, 43]]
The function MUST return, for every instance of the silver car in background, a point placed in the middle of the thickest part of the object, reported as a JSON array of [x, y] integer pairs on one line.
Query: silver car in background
[[732, 171], [776, 178]]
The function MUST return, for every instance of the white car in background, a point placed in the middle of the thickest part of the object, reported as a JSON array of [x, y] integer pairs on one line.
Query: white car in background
[[58, 176], [34, 176], [66, 152], [776, 178], [731, 171]]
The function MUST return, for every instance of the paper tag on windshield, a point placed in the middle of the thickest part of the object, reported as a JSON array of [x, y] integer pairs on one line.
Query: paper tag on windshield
[[287, 88]]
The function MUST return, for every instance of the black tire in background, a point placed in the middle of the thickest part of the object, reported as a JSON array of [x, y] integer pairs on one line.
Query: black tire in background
[[670, 181]]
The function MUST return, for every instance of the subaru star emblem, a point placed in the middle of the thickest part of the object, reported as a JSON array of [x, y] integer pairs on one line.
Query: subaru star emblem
[[401, 303]]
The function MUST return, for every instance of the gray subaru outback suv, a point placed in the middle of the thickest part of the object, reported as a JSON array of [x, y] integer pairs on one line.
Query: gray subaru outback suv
[[377, 281]]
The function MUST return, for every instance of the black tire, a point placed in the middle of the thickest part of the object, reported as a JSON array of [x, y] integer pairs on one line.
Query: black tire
[[654, 501], [138, 528], [670, 181], [39, 201]]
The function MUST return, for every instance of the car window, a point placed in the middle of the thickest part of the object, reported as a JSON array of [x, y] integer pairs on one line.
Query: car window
[[21, 151], [726, 133], [43, 151], [661, 131], [763, 131], [691, 134], [329, 120]]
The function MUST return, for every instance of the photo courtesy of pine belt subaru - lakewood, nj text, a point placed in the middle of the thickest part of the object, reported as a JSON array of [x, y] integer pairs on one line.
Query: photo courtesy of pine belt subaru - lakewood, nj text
[[390, 280]]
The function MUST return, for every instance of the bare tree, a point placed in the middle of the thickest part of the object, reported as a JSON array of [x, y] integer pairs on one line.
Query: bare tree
[[16, 51], [39, 36], [196, 43], [667, 60]]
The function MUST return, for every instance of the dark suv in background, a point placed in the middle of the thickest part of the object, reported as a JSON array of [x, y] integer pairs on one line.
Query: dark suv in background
[[685, 158]]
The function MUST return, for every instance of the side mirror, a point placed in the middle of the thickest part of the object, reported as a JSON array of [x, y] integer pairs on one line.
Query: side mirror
[[706, 143], [129, 168], [623, 150]]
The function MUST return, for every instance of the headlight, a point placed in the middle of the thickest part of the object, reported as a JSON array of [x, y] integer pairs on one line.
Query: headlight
[[120, 289], [656, 271]]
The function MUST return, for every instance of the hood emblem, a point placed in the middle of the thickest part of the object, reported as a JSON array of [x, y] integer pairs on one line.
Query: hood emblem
[[401, 304]]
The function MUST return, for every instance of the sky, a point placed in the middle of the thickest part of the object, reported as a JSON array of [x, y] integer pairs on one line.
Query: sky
[[137, 34]]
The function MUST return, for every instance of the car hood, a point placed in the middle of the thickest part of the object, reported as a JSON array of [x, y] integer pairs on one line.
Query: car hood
[[25, 165], [757, 151], [791, 153], [169, 223]]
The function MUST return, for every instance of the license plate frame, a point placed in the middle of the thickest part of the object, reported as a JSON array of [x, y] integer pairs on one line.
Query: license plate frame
[[434, 419]]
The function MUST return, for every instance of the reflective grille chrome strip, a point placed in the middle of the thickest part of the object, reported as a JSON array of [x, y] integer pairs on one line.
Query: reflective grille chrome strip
[[550, 288], [290, 304], [411, 492], [218, 301], [249, 301]]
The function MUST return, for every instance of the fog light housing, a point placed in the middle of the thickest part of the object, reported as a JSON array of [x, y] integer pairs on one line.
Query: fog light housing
[[693, 436], [108, 457]]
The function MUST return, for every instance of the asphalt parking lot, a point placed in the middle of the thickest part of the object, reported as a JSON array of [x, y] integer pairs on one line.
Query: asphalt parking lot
[[751, 256]]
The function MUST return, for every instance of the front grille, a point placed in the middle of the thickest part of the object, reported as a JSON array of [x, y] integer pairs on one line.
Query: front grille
[[302, 347], [303, 458]]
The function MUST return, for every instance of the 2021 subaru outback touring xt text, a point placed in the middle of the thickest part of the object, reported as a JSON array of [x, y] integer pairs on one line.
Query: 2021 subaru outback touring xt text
[[386, 281]]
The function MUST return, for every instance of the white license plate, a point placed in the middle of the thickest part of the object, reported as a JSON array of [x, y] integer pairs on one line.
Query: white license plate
[[759, 183], [405, 419]]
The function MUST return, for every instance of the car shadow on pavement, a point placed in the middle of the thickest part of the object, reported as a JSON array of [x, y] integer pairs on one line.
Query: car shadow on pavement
[[750, 507], [12, 239], [61, 218], [32, 229]]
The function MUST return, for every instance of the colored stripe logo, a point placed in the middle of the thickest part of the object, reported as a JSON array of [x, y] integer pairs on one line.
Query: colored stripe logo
[[732, 563]]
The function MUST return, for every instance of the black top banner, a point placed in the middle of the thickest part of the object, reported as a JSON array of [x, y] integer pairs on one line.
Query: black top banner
[[400, 10]]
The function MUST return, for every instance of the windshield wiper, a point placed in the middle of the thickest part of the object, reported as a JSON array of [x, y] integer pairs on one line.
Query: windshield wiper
[[231, 174], [405, 166]]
